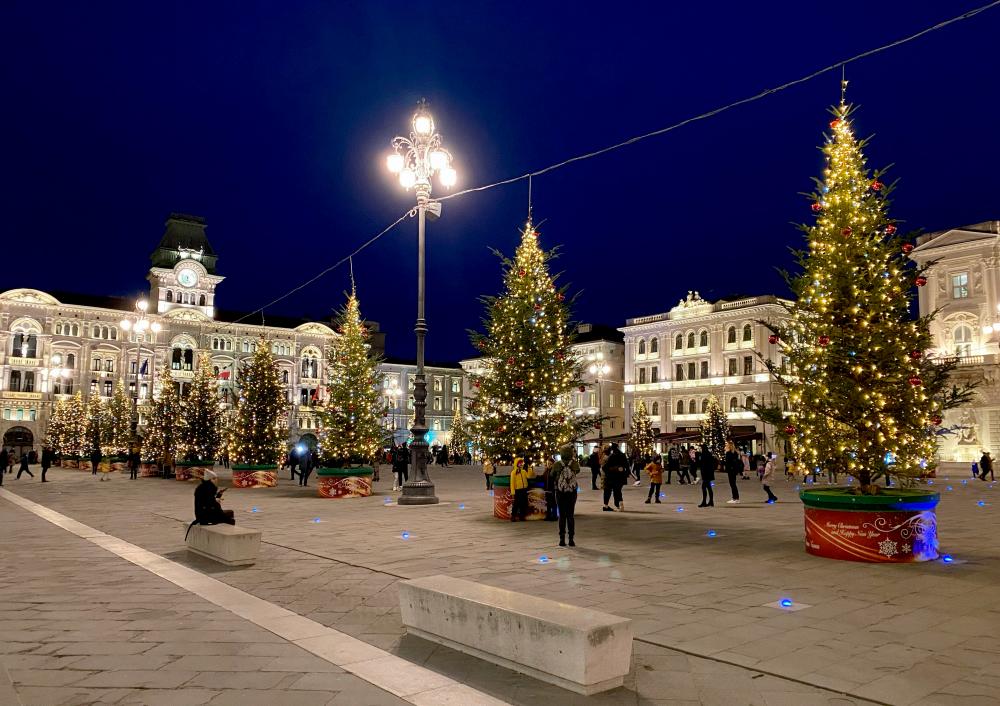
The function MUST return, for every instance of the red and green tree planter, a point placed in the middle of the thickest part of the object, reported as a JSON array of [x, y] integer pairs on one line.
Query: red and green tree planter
[[503, 499], [251, 476], [345, 482], [70, 461], [149, 469], [895, 526], [192, 470]]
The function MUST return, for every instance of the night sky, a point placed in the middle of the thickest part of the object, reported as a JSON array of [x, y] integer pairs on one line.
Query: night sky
[[272, 120]]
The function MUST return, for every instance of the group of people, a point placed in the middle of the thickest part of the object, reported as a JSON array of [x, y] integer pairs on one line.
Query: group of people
[[304, 459], [561, 487], [10, 458], [984, 467]]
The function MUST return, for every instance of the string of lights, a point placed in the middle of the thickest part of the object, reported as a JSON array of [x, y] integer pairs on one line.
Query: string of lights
[[638, 138]]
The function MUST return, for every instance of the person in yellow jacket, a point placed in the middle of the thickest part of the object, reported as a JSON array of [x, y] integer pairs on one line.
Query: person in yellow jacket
[[519, 480]]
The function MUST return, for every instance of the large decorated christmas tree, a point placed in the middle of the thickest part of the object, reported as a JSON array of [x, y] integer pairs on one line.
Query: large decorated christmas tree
[[75, 429], [715, 427], [522, 407], [865, 400], [351, 423], [98, 425], [201, 431], [119, 422], [459, 439], [258, 430], [640, 436], [162, 439]]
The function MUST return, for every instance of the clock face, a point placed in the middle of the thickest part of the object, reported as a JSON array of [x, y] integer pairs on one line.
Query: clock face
[[187, 277]]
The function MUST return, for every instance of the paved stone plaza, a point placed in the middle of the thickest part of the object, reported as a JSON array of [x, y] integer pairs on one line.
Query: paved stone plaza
[[80, 624]]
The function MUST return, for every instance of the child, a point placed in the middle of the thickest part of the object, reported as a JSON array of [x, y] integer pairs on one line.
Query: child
[[766, 476], [655, 470]]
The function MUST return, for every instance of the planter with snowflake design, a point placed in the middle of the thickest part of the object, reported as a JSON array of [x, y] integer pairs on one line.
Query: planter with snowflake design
[[895, 526]]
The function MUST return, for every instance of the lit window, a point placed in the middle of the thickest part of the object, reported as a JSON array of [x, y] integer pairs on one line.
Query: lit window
[[642, 376], [679, 341], [733, 404], [703, 339], [960, 285], [747, 333], [704, 406], [963, 340], [656, 409], [642, 347], [731, 335], [654, 345]]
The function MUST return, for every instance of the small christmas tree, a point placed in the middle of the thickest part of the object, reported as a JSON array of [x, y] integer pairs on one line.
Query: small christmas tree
[[55, 431], [522, 408], [76, 426], [259, 433], [351, 430], [163, 428], [459, 440], [201, 431], [640, 437], [864, 398], [119, 422], [715, 428], [98, 426]]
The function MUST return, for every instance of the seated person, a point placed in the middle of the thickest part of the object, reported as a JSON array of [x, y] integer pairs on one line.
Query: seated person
[[207, 508]]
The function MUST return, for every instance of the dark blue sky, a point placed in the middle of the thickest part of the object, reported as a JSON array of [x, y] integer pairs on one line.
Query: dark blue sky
[[272, 120]]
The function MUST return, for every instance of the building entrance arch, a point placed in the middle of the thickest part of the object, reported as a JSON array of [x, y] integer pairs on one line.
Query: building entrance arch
[[20, 439]]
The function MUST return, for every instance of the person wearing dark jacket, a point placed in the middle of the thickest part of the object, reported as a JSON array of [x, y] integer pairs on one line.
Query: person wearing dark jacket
[[707, 463], [615, 475], [207, 508], [400, 461], [985, 466], [23, 468], [46, 461], [95, 461], [734, 467], [134, 462], [3, 464], [594, 464]]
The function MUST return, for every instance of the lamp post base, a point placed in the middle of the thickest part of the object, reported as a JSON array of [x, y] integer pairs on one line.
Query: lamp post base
[[418, 492]]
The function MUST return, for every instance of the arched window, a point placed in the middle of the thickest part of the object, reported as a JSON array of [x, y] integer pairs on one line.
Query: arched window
[[691, 340], [692, 407], [963, 340], [733, 404], [731, 335], [114, 333], [188, 359], [704, 406], [176, 357], [201, 300], [59, 329], [284, 376], [749, 403], [25, 345], [784, 404], [29, 381], [654, 345], [15, 381], [680, 406], [76, 330], [642, 346], [747, 332], [71, 361], [215, 371], [170, 296], [679, 341], [656, 409], [703, 339]]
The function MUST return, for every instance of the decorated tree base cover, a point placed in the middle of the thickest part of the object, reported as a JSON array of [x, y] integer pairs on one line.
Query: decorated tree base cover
[[503, 500], [68, 462], [337, 483], [255, 476], [192, 470], [897, 527], [119, 465], [148, 469]]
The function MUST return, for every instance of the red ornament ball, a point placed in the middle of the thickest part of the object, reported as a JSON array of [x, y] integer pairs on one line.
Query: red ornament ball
[[835, 122], [936, 420], [583, 388], [538, 307], [477, 384], [916, 381], [559, 356], [824, 340], [920, 281], [890, 229], [772, 339], [502, 429], [907, 248], [877, 185], [817, 207], [597, 425], [561, 296], [847, 232], [790, 429], [519, 383], [521, 273], [510, 361], [916, 355]]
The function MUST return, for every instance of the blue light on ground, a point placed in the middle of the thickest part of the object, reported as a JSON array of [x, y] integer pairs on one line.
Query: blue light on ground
[[461, 506], [930, 482], [948, 488], [543, 559], [981, 503], [680, 508], [662, 495], [711, 533], [253, 509], [388, 501], [316, 519], [491, 492], [405, 535], [785, 603], [965, 482], [947, 559]]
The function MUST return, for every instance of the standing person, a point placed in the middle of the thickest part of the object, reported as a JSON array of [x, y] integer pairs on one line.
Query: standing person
[[594, 464], [134, 460], [655, 471], [563, 474], [745, 458], [548, 480], [23, 468], [46, 461], [11, 457], [615, 474], [693, 463], [520, 478], [985, 466], [488, 470], [95, 460], [708, 464], [684, 464], [767, 476], [673, 463], [734, 466], [4, 456], [400, 461], [637, 463]]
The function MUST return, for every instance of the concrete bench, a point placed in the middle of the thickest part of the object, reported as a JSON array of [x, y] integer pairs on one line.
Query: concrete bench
[[226, 544], [579, 649]]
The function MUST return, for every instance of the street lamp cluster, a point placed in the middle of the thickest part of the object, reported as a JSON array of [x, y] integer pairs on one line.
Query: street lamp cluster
[[140, 326], [416, 159], [599, 368]]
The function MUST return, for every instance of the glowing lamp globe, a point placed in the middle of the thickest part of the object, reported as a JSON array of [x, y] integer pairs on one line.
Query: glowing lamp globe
[[394, 162], [439, 159], [407, 178], [142, 305], [448, 176], [422, 124]]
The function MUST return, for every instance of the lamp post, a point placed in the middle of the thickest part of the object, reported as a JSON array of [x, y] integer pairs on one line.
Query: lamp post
[[416, 159], [393, 394], [140, 326], [598, 368]]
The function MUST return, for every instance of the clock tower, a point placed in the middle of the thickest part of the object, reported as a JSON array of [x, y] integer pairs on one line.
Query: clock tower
[[182, 275]]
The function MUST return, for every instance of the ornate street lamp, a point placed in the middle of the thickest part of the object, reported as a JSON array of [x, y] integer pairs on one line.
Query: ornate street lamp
[[393, 393], [599, 368], [416, 159], [140, 326]]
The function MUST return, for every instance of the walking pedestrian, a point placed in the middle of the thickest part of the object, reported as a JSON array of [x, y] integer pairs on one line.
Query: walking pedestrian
[[767, 476], [985, 466], [563, 474], [615, 474], [694, 460], [95, 461], [734, 466], [708, 463], [745, 458], [636, 466], [46, 461], [400, 461], [684, 465], [4, 457], [488, 470], [655, 471], [23, 468], [520, 478], [673, 463], [134, 461], [11, 458], [594, 464], [548, 483]]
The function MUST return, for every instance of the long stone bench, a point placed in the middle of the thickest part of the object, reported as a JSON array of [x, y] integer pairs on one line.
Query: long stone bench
[[579, 649], [226, 544]]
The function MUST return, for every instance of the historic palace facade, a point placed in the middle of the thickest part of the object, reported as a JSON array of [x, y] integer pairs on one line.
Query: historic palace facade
[[54, 344], [675, 360], [963, 287]]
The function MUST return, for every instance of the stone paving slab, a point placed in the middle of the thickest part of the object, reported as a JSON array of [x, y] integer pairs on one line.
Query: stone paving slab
[[656, 565]]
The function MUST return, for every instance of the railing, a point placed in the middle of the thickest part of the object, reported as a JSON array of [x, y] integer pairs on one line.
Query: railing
[[10, 395], [645, 319], [738, 304], [962, 360], [20, 360]]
